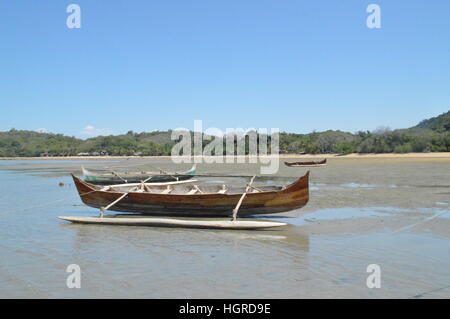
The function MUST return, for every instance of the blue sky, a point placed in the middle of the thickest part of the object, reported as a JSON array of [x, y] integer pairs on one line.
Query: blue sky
[[295, 65]]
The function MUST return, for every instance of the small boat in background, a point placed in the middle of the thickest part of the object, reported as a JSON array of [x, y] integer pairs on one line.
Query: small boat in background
[[307, 164], [113, 177]]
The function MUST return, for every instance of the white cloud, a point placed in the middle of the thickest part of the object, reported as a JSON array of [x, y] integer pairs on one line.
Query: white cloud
[[42, 130], [91, 131]]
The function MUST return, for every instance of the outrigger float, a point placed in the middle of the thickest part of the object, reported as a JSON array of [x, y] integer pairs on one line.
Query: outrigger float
[[172, 222], [191, 201]]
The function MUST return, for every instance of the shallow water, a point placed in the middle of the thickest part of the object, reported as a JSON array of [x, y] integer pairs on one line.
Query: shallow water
[[49, 162], [324, 252]]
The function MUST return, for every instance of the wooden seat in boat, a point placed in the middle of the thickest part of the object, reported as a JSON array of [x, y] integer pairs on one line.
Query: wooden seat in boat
[[167, 190], [223, 190], [195, 190]]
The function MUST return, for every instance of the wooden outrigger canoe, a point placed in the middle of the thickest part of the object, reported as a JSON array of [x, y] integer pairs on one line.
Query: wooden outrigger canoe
[[307, 164], [191, 200], [112, 177]]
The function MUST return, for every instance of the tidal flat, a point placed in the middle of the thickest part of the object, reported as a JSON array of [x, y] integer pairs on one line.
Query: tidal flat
[[393, 212]]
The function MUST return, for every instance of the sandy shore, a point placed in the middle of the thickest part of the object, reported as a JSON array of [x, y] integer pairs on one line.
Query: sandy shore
[[282, 156]]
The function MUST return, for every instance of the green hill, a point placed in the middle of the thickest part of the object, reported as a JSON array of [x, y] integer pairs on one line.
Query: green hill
[[30, 143], [431, 135], [439, 123]]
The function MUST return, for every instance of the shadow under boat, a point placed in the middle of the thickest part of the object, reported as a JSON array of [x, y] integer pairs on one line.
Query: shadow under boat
[[289, 236]]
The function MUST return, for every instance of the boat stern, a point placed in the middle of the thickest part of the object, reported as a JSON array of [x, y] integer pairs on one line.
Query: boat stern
[[295, 195]]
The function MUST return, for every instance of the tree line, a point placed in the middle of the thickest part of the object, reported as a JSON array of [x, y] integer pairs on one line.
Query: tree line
[[431, 135]]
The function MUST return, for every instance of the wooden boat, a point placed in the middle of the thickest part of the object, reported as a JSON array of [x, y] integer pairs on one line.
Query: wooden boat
[[191, 200], [172, 222], [307, 164], [112, 177]]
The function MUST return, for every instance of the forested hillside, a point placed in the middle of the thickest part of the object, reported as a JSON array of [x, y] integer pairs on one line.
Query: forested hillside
[[431, 135]]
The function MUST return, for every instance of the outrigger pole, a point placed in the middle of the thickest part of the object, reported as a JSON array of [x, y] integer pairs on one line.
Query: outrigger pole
[[103, 209], [114, 173], [236, 209]]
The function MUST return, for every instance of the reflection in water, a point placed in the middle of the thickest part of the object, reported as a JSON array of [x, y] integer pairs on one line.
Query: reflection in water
[[95, 234], [186, 262]]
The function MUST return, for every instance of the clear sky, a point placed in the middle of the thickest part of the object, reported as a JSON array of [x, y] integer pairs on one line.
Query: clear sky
[[295, 65]]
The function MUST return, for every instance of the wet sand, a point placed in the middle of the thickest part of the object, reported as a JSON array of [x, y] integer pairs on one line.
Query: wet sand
[[394, 212]]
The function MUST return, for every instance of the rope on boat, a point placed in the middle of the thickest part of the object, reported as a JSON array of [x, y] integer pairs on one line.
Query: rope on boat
[[429, 292], [419, 222], [40, 205]]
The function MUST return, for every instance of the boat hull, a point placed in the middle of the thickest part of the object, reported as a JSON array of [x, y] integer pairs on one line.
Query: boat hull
[[294, 196]]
